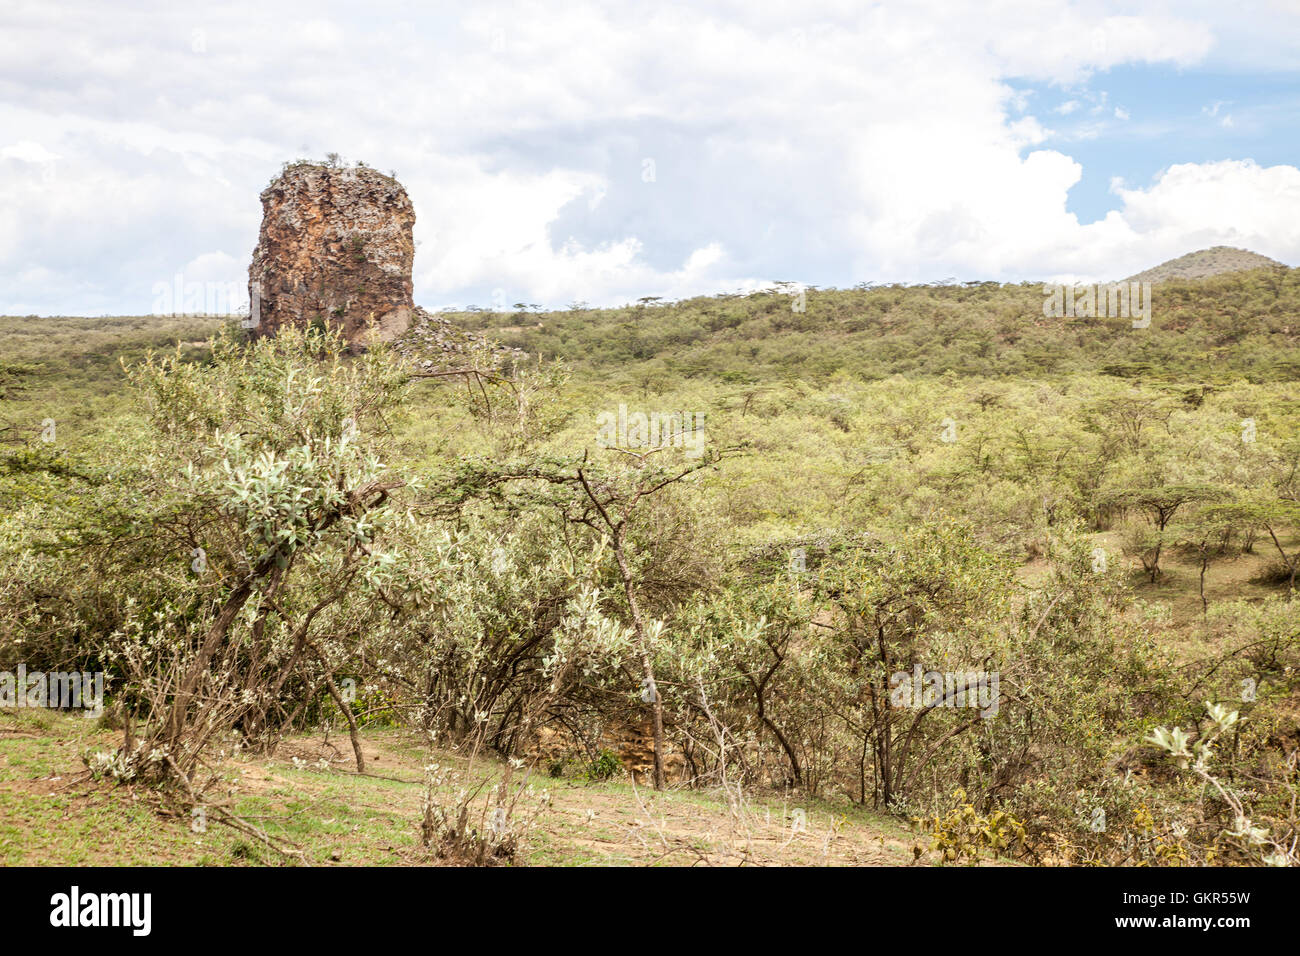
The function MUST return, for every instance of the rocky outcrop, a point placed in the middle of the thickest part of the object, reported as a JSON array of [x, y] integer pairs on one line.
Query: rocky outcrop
[[433, 344], [335, 249], [556, 748]]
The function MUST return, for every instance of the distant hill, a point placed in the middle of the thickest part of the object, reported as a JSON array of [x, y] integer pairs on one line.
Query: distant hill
[[1207, 262], [1231, 327], [1241, 325]]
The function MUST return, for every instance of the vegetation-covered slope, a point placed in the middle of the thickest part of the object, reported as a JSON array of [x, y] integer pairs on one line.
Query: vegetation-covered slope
[[1099, 522], [1214, 261], [1240, 326]]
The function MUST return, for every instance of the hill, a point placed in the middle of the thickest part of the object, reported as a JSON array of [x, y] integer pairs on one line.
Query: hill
[[1207, 262], [1238, 326]]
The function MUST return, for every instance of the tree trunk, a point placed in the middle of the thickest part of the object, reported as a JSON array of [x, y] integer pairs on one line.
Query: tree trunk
[[1205, 605], [352, 722], [638, 627]]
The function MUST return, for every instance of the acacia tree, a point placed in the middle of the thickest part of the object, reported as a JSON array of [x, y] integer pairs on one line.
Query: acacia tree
[[929, 598], [1209, 534], [603, 496], [256, 522], [1274, 515], [748, 645], [1124, 421], [1159, 505], [488, 627]]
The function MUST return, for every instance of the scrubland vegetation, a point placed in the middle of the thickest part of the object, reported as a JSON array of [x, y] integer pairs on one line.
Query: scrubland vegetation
[[257, 539]]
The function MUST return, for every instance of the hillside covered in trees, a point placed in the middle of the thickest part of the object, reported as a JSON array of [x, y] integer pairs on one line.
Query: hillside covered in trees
[[1023, 584]]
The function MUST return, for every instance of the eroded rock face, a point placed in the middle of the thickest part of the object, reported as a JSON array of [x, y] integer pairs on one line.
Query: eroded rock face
[[335, 248]]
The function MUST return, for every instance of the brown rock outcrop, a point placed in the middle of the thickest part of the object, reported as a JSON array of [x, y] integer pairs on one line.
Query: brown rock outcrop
[[335, 249]]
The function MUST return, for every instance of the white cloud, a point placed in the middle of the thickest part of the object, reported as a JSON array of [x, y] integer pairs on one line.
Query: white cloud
[[27, 151], [829, 144], [1232, 203]]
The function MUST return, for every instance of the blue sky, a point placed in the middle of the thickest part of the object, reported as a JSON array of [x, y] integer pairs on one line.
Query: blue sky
[[603, 152], [1166, 116]]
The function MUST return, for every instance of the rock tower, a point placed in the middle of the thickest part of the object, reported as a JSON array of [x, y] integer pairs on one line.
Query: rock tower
[[335, 249]]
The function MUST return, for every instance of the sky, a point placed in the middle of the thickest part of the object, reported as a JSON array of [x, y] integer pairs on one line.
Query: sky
[[594, 152]]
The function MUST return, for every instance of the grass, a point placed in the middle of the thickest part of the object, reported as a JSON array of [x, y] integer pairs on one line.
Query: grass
[[51, 813]]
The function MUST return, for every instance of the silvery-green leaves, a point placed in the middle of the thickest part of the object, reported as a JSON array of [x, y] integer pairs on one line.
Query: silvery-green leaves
[[288, 500], [1174, 741]]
